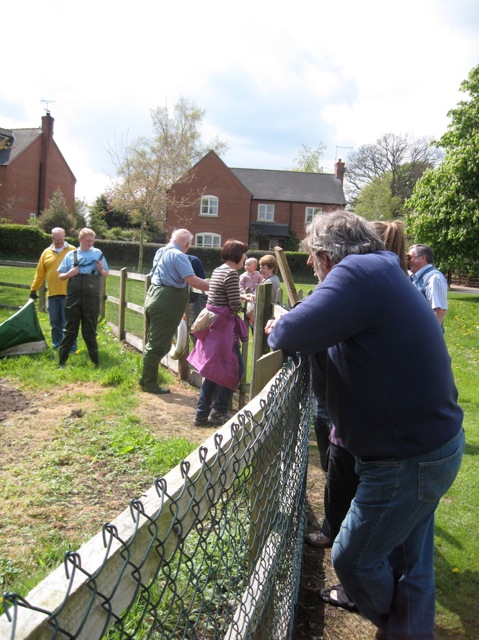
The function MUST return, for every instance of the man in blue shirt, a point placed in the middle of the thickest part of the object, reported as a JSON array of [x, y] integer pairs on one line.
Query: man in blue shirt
[[166, 302], [393, 401], [429, 280]]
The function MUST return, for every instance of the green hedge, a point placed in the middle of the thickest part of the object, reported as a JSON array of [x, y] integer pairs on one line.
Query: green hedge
[[24, 242]]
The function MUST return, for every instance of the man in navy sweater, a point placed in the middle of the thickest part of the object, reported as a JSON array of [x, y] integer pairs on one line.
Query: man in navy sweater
[[393, 401]]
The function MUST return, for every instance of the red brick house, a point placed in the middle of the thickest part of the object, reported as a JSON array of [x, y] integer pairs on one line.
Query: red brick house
[[257, 206], [32, 168]]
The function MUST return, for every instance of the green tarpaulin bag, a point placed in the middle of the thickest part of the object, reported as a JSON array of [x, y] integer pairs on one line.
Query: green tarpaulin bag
[[21, 333]]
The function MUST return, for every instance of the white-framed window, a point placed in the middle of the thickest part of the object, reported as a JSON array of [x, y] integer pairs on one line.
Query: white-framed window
[[209, 206], [208, 240], [310, 213], [266, 212]]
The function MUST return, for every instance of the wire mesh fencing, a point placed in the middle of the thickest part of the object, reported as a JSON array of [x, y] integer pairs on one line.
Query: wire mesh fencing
[[211, 550]]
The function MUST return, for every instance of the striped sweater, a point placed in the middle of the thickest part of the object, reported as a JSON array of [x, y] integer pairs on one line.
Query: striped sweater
[[224, 288]]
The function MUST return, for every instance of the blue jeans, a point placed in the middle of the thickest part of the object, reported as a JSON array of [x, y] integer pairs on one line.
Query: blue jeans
[[214, 396], [56, 313], [383, 554]]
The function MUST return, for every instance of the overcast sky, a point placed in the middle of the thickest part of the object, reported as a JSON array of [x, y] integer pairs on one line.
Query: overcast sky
[[271, 75]]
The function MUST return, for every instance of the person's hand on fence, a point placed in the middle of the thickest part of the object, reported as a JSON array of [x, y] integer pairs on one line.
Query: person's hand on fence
[[269, 325], [33, 295]]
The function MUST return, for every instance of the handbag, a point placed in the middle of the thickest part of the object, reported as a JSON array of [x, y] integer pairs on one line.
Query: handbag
[[203, 321]]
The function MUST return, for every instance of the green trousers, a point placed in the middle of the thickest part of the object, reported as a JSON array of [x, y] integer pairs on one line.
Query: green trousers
[[164, 308]]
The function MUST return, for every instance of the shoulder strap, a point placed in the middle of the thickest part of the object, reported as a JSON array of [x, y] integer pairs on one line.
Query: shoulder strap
[[422, 281], [75, 258]]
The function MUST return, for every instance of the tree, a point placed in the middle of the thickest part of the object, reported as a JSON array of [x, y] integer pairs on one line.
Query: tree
[[57, 214], [444, 207], [80, 214], [97, 215], [309, 159], [376, 202], [147, 167], [404, 158], [104, 217]]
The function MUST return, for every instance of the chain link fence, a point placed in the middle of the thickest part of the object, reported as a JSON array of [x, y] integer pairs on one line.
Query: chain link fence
[[212, 550]]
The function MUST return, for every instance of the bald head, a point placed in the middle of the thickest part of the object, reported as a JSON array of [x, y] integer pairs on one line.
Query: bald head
[[183, 238], [58, 237]]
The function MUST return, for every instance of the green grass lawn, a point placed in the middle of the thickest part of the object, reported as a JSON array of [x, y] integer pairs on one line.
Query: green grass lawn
[[457, 517]]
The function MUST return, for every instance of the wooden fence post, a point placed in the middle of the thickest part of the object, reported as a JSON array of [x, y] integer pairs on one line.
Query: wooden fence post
[[145, 319], [41, 300], [263, 312], [287, 276], [122, 303]]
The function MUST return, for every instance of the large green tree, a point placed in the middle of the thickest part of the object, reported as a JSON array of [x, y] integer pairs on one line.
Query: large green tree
[[376, 202], [445, 202], [148, 166], [104, 218], [403, 158]]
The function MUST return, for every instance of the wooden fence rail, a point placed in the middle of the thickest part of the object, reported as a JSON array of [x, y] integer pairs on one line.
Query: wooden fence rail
[[263, 366]]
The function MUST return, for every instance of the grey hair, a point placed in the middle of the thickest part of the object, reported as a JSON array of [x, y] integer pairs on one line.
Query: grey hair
[[424, 250], [182, 237], [339, 234]]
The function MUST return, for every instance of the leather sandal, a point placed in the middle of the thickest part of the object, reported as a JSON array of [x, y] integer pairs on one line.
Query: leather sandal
[[336, 596]]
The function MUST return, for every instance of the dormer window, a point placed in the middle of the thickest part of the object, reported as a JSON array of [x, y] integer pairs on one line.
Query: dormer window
[[209, 206]]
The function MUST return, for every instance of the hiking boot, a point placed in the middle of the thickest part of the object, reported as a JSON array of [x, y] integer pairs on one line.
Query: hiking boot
[[218, 418], [201, 421], [63, 357]]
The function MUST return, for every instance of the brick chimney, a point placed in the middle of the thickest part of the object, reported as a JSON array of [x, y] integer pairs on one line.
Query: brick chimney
[[47, 142], [340, 170]]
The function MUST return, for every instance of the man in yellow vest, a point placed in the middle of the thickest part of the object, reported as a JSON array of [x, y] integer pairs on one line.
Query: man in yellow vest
[[47, 267]]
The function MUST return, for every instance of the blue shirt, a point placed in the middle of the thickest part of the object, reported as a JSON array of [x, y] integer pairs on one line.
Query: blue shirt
[[86, 261], [434, 286], [170, 267], [197, 266]]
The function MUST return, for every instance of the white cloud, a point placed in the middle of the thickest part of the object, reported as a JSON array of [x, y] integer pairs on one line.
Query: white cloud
[[271, 75]]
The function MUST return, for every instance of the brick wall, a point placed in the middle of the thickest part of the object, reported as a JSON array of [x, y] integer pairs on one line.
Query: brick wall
[[21, 179], [210, 177]]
